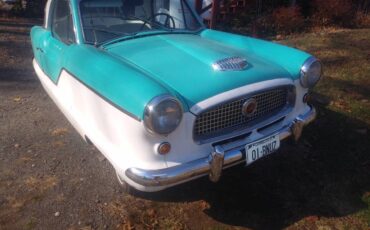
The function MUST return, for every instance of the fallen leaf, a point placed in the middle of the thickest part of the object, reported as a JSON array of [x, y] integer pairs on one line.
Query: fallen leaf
[[312, 218], [17, 99], [204, 205], [86, 228], [367, 195], [59, 132], [101, 157], [128, 226], [151, 212], [58, 144]]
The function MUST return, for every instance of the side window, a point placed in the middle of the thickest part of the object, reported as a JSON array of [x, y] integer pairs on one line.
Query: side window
[[179, 12], [61, 22]]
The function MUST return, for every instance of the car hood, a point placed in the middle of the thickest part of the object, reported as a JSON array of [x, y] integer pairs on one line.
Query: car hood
[[183, 63]]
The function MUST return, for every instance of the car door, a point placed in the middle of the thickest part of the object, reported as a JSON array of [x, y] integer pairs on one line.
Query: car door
[[59, 39]]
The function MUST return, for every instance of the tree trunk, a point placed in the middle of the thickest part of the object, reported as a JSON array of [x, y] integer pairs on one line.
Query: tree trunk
[[35, 8]]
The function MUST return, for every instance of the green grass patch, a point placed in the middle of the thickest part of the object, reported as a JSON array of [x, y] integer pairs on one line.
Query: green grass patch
[[366, 213], [346, 59]]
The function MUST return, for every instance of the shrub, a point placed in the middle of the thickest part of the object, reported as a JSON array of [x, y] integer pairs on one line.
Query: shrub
[[17, 9], [283, 20], [362, 20], [263, 26], [248, 23], [287, 19], [332, 12], [35, 8]]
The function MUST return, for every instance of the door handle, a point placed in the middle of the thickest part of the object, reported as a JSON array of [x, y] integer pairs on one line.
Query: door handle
[[39, 49]]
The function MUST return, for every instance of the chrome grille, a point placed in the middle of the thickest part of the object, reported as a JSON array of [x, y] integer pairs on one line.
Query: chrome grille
[[230, 116]]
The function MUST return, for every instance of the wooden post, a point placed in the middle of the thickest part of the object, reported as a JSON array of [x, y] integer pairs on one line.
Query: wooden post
[[198, 6], [215, 9]]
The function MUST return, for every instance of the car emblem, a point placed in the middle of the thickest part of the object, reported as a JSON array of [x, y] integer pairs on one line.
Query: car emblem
[[230, 64], [249, 107]]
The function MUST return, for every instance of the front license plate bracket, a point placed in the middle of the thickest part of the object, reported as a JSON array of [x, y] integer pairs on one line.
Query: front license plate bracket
[[261, 148]]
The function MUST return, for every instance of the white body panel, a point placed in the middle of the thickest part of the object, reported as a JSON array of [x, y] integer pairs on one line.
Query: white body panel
[[124, 140]]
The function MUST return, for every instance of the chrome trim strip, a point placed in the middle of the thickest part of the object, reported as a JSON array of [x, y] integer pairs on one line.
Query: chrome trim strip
[[230, 64], [304, 69], [148, 112], [306, 65], [250, 126], [242, 91], [201, 167], [282, 114], [49, 15]]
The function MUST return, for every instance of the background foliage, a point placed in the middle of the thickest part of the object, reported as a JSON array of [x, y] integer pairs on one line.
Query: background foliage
[[271, 17], [27, 8], [267, 17]]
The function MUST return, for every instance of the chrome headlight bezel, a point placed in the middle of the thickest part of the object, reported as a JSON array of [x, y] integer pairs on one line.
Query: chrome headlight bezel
[[151, 118], [307, 79]]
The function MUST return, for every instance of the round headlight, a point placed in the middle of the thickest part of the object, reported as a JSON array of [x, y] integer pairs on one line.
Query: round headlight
[[162, 115], [311, 73]]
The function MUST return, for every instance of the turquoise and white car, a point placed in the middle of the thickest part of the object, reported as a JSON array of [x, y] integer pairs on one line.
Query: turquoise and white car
[[165, 99]]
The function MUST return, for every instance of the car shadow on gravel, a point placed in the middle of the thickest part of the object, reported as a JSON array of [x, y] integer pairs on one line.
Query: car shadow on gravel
[[324, 175], [16, 75]]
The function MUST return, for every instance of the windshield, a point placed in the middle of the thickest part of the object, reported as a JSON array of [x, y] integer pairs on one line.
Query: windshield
[[105, 20]]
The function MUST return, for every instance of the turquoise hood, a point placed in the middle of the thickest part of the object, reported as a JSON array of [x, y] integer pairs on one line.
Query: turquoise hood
[[183, 62]]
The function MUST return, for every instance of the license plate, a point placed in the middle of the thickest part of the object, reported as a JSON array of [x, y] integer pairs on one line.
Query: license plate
[[262, 148]]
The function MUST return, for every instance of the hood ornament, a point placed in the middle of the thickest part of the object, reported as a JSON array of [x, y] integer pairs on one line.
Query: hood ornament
[[230, 64]]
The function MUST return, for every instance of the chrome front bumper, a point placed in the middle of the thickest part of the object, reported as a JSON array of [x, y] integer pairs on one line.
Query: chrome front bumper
[[213, 165]]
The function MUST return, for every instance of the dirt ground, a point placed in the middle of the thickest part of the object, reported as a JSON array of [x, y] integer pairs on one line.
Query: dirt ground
[[51, 179]]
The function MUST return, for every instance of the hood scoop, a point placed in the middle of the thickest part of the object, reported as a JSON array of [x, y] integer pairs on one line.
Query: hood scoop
[[230, 64]]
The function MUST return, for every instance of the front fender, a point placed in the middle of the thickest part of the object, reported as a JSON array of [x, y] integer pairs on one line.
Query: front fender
[[120, 83]]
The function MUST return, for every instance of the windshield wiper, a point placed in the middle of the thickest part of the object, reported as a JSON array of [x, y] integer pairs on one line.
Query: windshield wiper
[[123, 35], [151, 23], [119, 39], [94, 29], [106, 31], [142, 34], [145, 21]]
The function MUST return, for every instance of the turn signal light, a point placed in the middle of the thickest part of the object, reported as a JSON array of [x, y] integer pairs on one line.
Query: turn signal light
[[164, 148]]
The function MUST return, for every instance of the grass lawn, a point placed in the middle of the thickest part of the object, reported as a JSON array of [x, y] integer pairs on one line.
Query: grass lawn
[[343, 97], [346, 59]]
